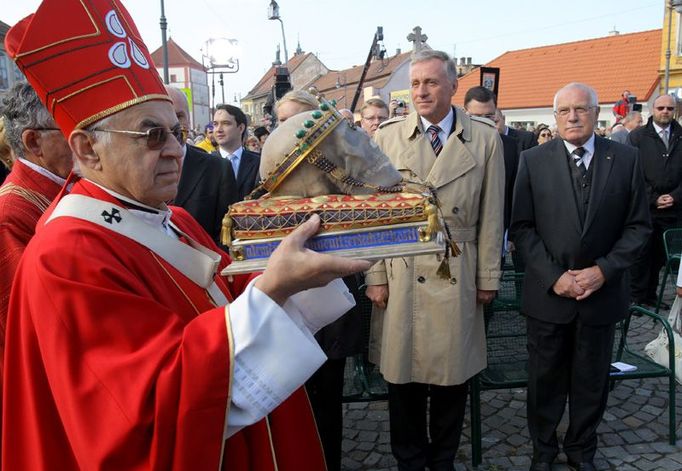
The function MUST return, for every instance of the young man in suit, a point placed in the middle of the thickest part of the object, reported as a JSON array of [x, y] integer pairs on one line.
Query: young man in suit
[[204, 189], [579, 219], [482, 103], [229, 130]]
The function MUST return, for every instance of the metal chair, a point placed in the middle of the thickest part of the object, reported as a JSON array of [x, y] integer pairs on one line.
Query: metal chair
[[672, 241]]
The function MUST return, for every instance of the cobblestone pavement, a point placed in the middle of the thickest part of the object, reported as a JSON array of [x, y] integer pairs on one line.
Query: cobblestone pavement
[[632, 436]]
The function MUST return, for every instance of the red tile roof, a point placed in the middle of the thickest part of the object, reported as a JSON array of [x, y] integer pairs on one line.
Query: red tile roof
[[529, 78], [266, 82], [378, 74], [177, 57]]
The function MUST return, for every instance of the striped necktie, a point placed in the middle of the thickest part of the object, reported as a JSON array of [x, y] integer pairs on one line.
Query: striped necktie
[[433, 130], [577, 155]]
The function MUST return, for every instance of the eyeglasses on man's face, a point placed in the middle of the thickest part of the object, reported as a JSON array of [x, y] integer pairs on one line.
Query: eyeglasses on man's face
[[156, 137], [371, 118], [666, 108], [579, 110]]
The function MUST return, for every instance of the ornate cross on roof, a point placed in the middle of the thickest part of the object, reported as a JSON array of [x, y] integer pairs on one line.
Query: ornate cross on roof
[[417, 38]]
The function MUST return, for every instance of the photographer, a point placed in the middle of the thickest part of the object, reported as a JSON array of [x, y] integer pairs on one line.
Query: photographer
[[398, 108], [623, 106]]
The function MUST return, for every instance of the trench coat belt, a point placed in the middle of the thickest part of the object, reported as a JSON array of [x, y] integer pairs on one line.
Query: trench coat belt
[[463, 234]]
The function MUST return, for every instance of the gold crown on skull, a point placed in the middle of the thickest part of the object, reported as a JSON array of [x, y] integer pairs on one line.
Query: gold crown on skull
[[324, 120]]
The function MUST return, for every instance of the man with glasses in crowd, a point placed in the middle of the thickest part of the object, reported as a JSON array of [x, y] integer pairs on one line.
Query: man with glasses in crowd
[[372, 114], [125, 348], [660, 151], [42, 163], [579, 219]]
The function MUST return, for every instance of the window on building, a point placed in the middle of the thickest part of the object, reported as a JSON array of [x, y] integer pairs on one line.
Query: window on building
[[4, 71]]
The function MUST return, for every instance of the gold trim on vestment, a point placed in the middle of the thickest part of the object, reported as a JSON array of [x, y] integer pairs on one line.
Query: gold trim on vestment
[[272, 445], [91, 35], [33, 197], [230, 346], [196, 309]]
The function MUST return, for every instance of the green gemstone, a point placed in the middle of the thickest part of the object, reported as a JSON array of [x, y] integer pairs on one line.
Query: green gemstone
[[300, 133], [317, 114], [324, 107], [333, 102], [303, 146], [308, 123]]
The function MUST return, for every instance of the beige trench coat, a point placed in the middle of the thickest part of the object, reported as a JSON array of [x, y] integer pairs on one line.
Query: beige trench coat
[[432, 330]]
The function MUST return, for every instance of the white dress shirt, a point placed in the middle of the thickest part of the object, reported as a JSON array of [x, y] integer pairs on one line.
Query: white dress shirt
[[589, 150], [234, 157], [445, 126]]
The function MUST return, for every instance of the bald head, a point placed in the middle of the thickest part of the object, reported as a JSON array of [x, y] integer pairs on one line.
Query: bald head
[[180, 105]]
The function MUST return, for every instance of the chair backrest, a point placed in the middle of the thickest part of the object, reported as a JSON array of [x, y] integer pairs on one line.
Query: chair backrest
[[672, 240]]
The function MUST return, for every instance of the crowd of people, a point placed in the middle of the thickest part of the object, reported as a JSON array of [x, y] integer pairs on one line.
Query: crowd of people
[[122, 346]]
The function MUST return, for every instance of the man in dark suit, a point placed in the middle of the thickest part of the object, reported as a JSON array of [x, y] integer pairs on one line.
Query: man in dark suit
[[579, 219], [482, 103], [660, 149], [229, 130], [204, 190], [525, 139]]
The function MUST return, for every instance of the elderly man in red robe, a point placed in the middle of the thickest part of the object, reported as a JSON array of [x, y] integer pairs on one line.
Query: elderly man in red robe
[[42, 161], [125, 348]]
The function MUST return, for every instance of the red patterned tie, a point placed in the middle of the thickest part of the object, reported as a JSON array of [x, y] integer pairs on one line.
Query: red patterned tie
[[433, 130]]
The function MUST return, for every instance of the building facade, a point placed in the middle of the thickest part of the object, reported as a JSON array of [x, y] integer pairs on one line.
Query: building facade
[[190, 76]]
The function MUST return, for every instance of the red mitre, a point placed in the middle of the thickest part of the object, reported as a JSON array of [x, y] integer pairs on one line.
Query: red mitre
[[85, 59]]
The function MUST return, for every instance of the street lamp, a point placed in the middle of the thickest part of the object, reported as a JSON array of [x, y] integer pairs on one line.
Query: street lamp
[[273, 14], [222, 55], [677, 6], [164, 44]]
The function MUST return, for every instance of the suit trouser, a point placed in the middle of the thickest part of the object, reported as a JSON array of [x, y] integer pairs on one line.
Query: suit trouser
[[567, 360], [325, 390], [407, 407]]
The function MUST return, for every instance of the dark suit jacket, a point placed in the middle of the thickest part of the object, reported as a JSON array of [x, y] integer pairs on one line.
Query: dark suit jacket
[[525, 139], [662, 167], [204, 189], [546, 229], [511, 163], [248, 173]]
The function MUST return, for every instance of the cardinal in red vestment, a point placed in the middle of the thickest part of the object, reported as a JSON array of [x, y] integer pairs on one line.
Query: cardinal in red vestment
[[125, 348]]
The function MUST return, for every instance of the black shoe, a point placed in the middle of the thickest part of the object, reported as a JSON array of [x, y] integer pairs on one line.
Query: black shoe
[[583, 466], [540, 466]]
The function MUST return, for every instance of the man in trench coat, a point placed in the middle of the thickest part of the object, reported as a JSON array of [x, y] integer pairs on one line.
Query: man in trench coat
[[428, 332]]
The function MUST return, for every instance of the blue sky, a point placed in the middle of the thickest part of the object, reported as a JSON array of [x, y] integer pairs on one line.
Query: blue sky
[[341, 31]]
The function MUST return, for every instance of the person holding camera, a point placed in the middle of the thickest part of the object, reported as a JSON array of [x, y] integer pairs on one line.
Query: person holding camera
[[622, 106], [398, 108]]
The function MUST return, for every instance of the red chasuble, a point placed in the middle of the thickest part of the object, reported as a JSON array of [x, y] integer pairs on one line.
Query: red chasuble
[[117, 361], [24, 197]]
